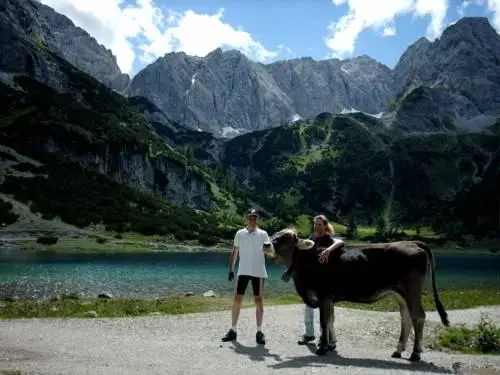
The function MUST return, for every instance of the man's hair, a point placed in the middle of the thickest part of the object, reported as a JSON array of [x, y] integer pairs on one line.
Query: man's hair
[[329, 227]]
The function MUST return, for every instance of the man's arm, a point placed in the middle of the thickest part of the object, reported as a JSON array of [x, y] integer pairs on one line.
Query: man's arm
[[232, 258]]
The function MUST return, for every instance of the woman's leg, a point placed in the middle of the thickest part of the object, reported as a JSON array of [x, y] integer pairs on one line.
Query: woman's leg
[[308, 325]]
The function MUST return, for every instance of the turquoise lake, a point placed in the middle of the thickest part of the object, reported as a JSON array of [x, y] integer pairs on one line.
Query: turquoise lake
[[41, 275]]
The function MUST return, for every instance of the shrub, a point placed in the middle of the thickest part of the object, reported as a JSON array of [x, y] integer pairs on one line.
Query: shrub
[[483, 338], [208, 240], [28, 167], [47, 240], [6, 214]]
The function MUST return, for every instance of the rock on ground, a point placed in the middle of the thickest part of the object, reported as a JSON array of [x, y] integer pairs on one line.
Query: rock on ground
[[191, 344]]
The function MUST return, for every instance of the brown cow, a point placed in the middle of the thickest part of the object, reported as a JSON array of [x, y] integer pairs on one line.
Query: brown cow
[[362, 273]]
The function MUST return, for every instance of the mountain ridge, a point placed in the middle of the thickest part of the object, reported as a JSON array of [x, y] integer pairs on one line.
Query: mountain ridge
[[227, 94], [306, 87], [135, 167]]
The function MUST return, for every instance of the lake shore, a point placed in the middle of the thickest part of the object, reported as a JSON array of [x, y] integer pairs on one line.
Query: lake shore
[[76, 305], [105, 242]]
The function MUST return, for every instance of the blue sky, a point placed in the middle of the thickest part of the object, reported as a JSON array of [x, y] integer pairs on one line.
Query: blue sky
[[265, 30]]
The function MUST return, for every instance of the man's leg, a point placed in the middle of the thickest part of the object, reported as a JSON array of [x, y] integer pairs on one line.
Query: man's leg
[[258, 287], [241, 286], [308, 325]]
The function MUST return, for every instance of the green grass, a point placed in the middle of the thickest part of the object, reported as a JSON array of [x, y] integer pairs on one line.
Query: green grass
[[483, 338], [367, 231], [452, 299], [107, 242], [73, 307], [104, 241]]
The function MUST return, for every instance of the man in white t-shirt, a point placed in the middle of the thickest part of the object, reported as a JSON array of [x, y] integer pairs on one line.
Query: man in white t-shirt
[[248, 243]]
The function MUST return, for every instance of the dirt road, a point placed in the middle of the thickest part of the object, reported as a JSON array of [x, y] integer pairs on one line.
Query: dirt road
[[190, 344]]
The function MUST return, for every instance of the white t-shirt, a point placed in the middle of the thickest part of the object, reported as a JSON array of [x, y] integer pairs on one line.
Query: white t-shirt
[[251, 257]]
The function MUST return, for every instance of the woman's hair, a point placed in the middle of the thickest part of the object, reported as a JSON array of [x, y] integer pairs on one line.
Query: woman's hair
[[329, 227]]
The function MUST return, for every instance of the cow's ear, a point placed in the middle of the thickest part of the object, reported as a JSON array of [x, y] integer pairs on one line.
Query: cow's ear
[[305, 244]]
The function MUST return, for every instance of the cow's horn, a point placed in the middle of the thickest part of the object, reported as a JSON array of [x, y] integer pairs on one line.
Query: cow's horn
[[305, 244]]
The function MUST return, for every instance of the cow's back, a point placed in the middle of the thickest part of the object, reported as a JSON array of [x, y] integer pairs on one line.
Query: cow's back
[[361, 271]]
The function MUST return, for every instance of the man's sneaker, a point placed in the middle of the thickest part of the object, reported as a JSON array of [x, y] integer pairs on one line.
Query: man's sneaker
[[230, 336], [306, 340], [260, 338]]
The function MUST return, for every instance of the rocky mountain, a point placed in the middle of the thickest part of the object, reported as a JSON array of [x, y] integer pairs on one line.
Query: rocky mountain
[[81, 49], [71, 147], [93, 157], [449, 84], [454, 79], [29, 23], [227, 94], [221, 93], [334, 85]]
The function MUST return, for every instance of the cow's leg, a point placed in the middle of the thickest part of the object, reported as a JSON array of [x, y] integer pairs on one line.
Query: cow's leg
[[325, 321], [307, 295], [418, 319], [417, 313], [406, 323]]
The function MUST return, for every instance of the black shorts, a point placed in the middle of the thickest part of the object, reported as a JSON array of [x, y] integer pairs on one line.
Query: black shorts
[[257, 284]]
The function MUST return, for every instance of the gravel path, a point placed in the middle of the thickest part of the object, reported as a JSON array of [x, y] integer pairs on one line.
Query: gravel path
[[190, 344]]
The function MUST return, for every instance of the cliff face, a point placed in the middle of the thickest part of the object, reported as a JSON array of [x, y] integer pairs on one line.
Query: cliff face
[[160, 176], [455, 79], [50, 106], [227, 94]]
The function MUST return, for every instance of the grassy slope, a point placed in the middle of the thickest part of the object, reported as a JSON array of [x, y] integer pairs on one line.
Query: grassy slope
[[340, 165], [102, 122]]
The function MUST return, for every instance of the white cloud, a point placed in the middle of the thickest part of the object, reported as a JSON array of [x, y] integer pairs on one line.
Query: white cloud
[[198, 34], [389, 30], [494, 7], [156, 31], [461, 8], [364, 14]]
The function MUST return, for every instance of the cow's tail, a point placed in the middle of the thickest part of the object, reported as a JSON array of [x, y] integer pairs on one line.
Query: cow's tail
[[440, 308]]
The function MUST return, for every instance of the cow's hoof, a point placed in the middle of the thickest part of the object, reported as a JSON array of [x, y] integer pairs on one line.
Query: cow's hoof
[[415, 357], [322, 350], [331, 347], [396, 355]]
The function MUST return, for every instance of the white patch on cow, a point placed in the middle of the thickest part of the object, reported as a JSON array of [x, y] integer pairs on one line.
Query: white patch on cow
[[306, 244], [269, 251]]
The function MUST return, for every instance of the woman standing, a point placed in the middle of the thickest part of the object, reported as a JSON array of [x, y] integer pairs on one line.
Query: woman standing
[[324, 243]]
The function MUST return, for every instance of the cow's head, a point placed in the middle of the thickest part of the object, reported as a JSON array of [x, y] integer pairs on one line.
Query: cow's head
[[283, 244]]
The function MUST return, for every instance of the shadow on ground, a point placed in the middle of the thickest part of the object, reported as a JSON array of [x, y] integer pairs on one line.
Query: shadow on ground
[[255, 353], [333, 358], [259, 353]]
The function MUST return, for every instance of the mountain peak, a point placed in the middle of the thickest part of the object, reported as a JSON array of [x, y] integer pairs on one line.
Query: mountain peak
[[479, 26], [474, 21]]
